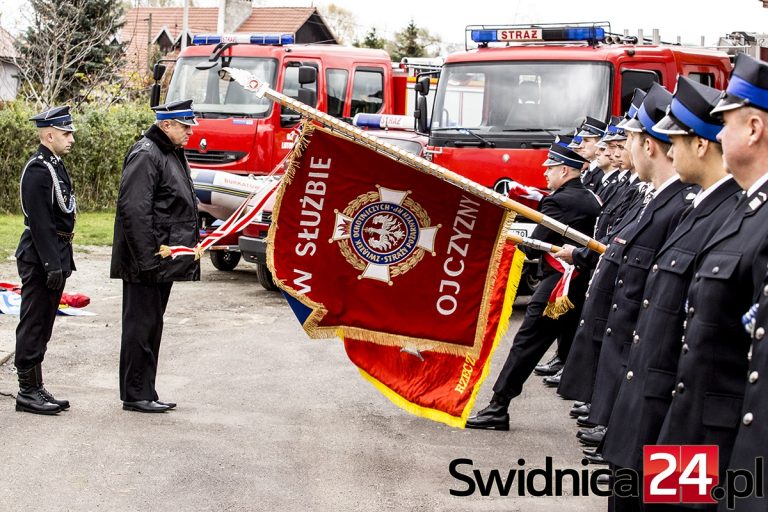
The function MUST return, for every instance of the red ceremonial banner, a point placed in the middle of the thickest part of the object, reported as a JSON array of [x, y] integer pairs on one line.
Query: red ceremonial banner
[[378, 251], [441, 387]]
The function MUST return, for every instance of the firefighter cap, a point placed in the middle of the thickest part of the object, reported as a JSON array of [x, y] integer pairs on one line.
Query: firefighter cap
[[591, 127], [653, 108], [180, 111], [689, 113], [561, 155], [575, 141], [613, 132], [634, 106], [564, 140], [56, 117], [747, 87]]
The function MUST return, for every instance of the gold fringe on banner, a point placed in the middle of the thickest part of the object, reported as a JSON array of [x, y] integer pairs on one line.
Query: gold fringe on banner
[[515, 273]]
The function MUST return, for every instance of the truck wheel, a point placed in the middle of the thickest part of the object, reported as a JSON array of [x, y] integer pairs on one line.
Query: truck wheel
[[531, 281], [265, 277], [225, 260], [528, 281]]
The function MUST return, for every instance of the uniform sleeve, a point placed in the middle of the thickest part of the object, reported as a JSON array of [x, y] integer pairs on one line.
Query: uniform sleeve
[[549, 207], [135, 208], [37, 199]]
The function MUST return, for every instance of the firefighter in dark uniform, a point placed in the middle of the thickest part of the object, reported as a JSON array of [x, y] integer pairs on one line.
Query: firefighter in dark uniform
[[635, 251], [44, 256], [590, 132], [648, 379], [709, 385], [616, 180], [572, 204], [579, 374], [750, 450], [156, 206]]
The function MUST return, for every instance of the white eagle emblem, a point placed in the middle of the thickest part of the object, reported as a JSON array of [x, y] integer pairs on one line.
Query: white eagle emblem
[[384, 234]]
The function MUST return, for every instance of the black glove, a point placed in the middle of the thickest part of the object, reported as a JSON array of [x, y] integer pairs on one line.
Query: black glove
[[148, 276], [55, 280]]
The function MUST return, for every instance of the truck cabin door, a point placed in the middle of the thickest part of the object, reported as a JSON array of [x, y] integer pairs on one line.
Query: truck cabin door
[[368, 92], [300, 82], [639, 76]]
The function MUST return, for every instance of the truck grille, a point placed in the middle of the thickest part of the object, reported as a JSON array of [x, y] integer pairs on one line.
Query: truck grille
[[266, 217], [213, 157]]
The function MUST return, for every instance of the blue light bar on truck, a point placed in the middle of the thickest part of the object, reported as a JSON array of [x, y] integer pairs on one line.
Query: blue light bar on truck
[[388, 121], [534, 34], [264, 39]]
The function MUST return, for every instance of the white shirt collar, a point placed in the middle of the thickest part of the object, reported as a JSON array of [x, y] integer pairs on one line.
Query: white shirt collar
[[665, 185], [705, 193], [607, 175], [756, 185]]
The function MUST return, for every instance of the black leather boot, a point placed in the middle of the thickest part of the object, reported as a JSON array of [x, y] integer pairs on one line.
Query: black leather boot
[[63, 404], [493, 417], [29, 398]]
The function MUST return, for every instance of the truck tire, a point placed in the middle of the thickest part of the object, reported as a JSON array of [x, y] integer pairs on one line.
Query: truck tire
[[225, 260], [265, 277]]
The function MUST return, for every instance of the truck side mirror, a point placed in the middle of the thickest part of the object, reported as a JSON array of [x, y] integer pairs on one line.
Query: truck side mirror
[[421, 114], [154, 95], [158, 70], [307, 75], [308, 97], [422, 85]]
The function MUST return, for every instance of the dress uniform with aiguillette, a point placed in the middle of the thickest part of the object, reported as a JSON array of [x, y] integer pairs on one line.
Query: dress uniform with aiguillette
[[646, 390], [44, 255], [710, 382]]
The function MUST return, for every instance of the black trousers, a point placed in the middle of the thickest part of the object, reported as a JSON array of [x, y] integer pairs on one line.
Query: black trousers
[[536, 335], [39, 305], [143, 310]]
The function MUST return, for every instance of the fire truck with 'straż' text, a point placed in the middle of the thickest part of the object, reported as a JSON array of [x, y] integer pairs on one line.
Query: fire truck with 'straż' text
[[499, 105]]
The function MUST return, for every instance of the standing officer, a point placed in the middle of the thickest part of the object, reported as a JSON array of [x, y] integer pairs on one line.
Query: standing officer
[[745, 109], [572, 204], [648, 380], [156, 206], [633, 252], [44, 256], [631, 245], [709, 385], [590, 132]]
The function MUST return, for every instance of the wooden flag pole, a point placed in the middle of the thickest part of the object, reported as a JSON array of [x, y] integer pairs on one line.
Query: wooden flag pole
[[533, 243], [262, 90]]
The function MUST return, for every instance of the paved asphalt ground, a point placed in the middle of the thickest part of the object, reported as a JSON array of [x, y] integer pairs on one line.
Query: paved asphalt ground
[[267, 419]]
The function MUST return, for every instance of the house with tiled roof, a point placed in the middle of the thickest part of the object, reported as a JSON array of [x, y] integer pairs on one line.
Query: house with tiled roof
[[152, 32], [9, 72]]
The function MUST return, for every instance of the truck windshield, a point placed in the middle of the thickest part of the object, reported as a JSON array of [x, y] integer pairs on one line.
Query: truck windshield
[[214, 96], [521, 96]]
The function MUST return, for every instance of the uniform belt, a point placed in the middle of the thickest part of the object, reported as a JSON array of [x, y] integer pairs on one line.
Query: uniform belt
[[63, 235]]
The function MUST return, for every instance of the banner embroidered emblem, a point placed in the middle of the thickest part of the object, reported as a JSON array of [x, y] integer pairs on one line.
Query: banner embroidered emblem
[[384, 234]]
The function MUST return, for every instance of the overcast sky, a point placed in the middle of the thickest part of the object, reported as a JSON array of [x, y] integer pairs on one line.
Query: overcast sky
[[689, 19]]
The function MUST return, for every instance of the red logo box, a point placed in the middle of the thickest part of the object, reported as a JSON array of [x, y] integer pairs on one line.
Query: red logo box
[[680, 473]]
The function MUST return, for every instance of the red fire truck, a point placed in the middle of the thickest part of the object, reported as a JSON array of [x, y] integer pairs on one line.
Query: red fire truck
[[243, 134], [499, 105], [239, 133]]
